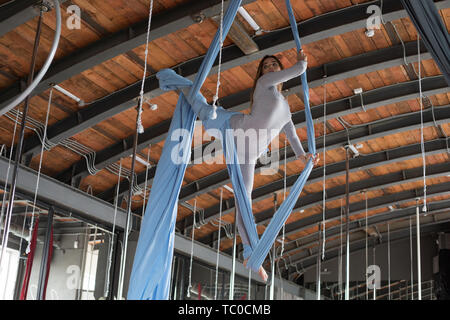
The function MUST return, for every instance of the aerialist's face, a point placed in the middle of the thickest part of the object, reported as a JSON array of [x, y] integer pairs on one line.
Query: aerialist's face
[[270, 65]]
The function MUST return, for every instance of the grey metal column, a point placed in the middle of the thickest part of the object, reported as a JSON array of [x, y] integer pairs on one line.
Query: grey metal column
[[44, 261]]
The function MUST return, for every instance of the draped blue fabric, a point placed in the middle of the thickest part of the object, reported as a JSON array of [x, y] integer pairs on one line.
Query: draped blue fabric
[[259, 248], [150, 275], [429, 24]]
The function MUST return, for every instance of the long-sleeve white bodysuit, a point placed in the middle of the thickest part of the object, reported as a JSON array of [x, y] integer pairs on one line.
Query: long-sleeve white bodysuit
[[270, 112]]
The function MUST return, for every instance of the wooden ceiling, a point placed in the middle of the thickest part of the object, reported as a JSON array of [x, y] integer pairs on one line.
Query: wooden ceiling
[[383, 83]]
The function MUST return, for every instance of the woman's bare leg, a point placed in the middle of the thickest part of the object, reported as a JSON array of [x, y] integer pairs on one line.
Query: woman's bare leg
[[248, 173]]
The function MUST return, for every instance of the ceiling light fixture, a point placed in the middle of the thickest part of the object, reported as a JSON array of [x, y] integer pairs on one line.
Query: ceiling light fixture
[[250, 21]]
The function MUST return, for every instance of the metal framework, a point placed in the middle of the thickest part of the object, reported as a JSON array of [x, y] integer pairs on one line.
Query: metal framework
[[124, 99], [379, 182], [372, 99], [358, 244], [118, 43]]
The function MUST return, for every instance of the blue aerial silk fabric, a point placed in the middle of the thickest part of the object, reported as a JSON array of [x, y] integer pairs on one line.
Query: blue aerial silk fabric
[[259, 248], [150, 278]]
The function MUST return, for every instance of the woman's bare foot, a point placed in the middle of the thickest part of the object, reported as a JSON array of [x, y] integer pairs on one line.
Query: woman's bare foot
[[262, 273]]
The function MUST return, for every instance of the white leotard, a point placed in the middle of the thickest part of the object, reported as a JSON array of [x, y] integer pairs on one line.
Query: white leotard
[[270, 113]]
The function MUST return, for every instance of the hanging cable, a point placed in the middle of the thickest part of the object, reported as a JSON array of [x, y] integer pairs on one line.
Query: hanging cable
[[422, 143], [192, 250], [111, 244], [7, 223], [411, 259], [419, 260], [41, 156], [47, 63], [340, 255], [92, 258], [373, 262], [318, 265], [389, 259], [283, 239], [367, 252], [7, 174], [216, 96], [145, 183], [324, 165], [140, 128], [218, 244], [347, 221]]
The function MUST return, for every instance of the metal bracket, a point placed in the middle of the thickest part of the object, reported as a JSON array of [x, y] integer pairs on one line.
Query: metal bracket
[[43, 5], [198, 17]]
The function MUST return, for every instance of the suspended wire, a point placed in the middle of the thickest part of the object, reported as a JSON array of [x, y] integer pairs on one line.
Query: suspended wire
[[411, 258], [422, 143], [92, 258], [192, 251], [340, 254], [111, 245], [218, 244], [140, 128], [85, 152], [216, 96], [324, 195], [367, 253], [389, 260], [7, 175], [226, 226], [419, 272], [145, 184], [283, 239], [41, 156]]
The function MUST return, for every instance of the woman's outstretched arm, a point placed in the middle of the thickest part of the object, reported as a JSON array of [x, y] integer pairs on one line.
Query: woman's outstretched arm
[[274, 78], [291, 134]]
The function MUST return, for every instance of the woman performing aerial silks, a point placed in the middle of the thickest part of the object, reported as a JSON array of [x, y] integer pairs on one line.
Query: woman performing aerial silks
[[151, 277], [270, 114]]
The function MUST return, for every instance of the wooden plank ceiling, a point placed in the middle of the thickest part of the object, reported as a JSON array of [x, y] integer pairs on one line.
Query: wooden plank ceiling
[[102, 18]]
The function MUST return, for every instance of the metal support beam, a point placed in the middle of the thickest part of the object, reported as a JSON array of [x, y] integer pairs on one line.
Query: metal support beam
[[359, 243], [374, 183], [16, 13], [387, 127], [373, 99], [356, 135], [378, 219], [367, 162], [125, 98], [116, 44], [66, 200], [360, 207], [209, 255]]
